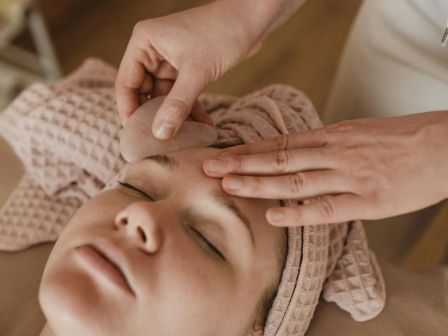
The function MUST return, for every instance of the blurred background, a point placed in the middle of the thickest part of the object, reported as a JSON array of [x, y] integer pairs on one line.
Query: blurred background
[[43, 40], [303, 53]]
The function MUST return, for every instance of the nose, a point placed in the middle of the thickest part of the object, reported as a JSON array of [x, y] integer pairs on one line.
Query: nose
[[141, 224]]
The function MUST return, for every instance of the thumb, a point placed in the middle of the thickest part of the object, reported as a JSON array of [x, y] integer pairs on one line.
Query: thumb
[[178, 104]]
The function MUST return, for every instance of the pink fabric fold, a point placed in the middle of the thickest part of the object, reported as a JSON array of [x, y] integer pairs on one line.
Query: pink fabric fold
[[66, 135]]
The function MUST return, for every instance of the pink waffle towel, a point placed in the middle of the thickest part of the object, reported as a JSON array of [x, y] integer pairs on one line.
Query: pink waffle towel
[[67, 138]]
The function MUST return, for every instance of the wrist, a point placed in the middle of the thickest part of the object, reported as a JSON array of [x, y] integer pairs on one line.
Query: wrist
[[264, 17], [260, 17], [255, 18]]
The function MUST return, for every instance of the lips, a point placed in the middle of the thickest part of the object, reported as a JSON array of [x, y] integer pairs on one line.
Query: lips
[[107, 260]]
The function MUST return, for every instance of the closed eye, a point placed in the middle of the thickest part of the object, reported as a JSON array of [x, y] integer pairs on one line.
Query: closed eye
[[205, 243], [209, 245], [137, 190]]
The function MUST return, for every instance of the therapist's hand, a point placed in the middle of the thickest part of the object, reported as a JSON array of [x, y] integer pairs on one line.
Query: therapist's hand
[[179, 55], [362, 169]]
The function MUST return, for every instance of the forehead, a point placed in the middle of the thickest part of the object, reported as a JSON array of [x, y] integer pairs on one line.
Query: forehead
[[189, 177], [190, 166], [195, 156], [185, 170]]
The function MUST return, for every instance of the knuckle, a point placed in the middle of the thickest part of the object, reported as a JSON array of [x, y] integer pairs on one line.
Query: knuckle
[[281, 161], [340, 127], [327, 206], [257, 184], [328, 152], [237, 162], [323, 132], [323, 151], [281, 142], [296, 182]]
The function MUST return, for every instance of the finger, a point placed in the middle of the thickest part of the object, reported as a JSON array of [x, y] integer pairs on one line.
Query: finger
[[148, 84], [166, 71], [162, 87], [132, 73], [311, 138], [326, 210], [199, 114], [131, 76], [177, 105], [145, 89], [277, 162], [300, 185], [142, 98]]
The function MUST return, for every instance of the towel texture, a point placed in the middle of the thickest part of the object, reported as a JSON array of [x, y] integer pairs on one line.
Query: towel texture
[[67, 138]]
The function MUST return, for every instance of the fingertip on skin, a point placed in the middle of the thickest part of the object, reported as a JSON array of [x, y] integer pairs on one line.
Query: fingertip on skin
[[216, 167], [276, 217], [209, 168], [232, 184]]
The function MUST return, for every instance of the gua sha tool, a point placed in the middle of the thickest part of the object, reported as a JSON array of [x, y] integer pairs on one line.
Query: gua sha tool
[[138, 142]]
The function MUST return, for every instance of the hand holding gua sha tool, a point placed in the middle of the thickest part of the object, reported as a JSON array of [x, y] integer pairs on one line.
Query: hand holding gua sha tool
[[138, 142]]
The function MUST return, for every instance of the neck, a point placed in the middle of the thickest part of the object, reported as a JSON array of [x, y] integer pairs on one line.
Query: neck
[[46, 331]]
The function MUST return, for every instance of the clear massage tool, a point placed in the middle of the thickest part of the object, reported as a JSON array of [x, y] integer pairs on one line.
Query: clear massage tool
[[138, 142]]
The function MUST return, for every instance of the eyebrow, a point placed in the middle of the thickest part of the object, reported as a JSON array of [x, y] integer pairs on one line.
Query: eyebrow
[[226, 200], [221, 197], [165, 161]]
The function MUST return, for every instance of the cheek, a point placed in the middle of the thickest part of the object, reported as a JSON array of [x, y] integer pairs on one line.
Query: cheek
[[202, 303], [95, 218], [188, 294], [71, 300]]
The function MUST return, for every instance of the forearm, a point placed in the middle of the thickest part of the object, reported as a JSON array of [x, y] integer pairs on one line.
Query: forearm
[[262, 17]]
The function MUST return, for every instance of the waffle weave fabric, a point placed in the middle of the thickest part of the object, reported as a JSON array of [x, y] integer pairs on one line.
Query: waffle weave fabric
[[66, 135]]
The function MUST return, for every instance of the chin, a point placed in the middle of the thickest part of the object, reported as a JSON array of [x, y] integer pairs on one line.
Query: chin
[[71, 303]]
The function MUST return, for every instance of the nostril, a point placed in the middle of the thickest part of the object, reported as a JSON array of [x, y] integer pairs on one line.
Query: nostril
[[141, 234], [123, 221]]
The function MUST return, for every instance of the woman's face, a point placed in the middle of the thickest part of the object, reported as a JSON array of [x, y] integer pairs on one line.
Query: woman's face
[[184, 259]]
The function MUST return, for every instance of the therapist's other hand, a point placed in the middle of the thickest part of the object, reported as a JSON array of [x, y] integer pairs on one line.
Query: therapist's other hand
[[360, 169], [179, 55]]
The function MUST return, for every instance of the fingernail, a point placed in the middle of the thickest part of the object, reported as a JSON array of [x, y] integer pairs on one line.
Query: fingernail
[[164, 131], [214, 165], [233, 183], [276, 215]]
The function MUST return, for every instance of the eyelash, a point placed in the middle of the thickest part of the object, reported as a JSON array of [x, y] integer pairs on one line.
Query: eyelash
[[141, 192], [209, 245]]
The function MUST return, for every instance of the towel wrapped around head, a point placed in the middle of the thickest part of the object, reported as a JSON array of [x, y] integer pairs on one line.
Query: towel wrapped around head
[[67, 138]]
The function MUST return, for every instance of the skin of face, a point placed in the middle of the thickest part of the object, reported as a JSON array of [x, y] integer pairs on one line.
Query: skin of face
[[174, 283]]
